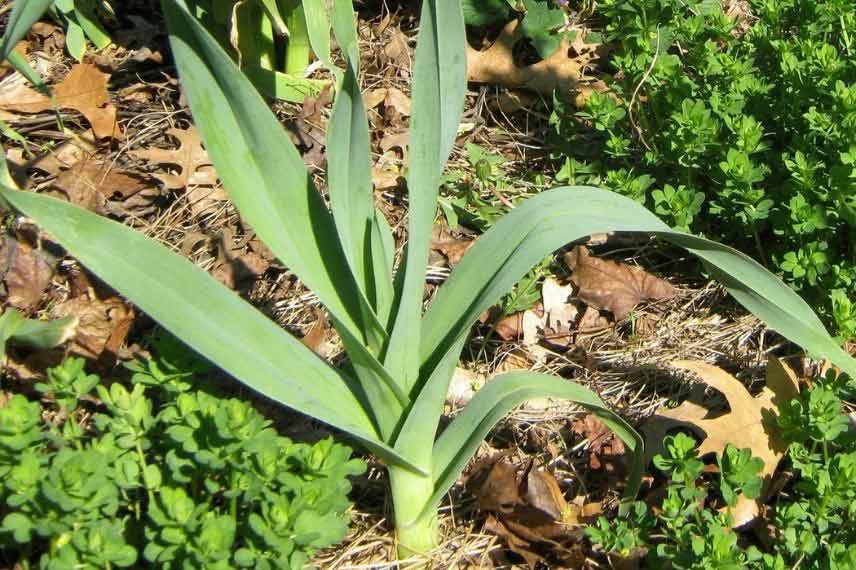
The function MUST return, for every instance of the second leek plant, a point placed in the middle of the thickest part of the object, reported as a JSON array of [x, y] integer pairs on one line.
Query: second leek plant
[[271, 40], [390, 396]]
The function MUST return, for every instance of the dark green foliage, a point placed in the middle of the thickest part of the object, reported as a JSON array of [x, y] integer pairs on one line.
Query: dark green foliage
[[485, 12], [812, 515], [163, 472], [542, 21], [744, 131]]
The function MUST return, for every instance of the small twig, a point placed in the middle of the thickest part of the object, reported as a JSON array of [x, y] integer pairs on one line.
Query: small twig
[[636, 92]]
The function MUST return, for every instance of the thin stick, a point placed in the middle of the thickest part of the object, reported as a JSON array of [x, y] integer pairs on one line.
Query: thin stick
[[638, 87]]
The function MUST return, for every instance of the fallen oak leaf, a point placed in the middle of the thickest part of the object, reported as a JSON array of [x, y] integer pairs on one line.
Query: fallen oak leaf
[[84, 90], [559, 70], [92, 184], [611, 285], [751, 421], [195, 166]]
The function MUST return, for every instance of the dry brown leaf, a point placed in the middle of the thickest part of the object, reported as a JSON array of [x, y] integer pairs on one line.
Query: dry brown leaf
[[235, 267], [22, 48], [604, 449], [205, 200], [26, 270], [103, 324], [318, 338], [529, 511], [194, 165], [750, 422], [613, 286], [496, 65], [91, 184], [84, 90]]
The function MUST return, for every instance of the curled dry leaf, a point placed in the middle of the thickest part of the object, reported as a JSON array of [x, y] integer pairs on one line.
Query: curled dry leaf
[[103, 324], [319, 337], [613, 286], [92, 184], [605, 450], [26, 270], [83, 90], [235, 266], [529, 511], [562, 70], [750, 422], [190, 157]]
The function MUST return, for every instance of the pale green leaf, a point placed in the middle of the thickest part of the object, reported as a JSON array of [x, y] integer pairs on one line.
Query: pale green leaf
[[262, 170], [461, 438], [439, 86], [349, 177], [211, 319], [552, 219]]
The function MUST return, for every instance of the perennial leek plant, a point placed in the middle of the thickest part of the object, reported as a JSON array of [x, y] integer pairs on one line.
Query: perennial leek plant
[[391, 395]]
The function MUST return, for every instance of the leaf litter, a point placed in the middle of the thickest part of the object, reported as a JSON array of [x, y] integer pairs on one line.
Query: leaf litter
[[526, 507], [84, 90]]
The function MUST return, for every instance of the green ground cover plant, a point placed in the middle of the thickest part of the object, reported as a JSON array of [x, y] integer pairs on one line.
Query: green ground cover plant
[[103, 475], [390, 394], [738, 127], [812, 517]]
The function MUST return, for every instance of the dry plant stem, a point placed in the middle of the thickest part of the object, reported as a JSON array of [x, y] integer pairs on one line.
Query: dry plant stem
[[416, 533]]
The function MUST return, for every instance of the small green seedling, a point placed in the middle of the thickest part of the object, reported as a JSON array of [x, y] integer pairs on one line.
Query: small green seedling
[[391, 395]]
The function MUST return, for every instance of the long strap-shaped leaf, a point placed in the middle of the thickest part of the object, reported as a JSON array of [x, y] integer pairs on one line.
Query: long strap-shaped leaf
[[439, 86], [262, 171], [24, 14], [349, 177], [208, 317], [552, 219], [361, 228], [459, 441], [265, 177]]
